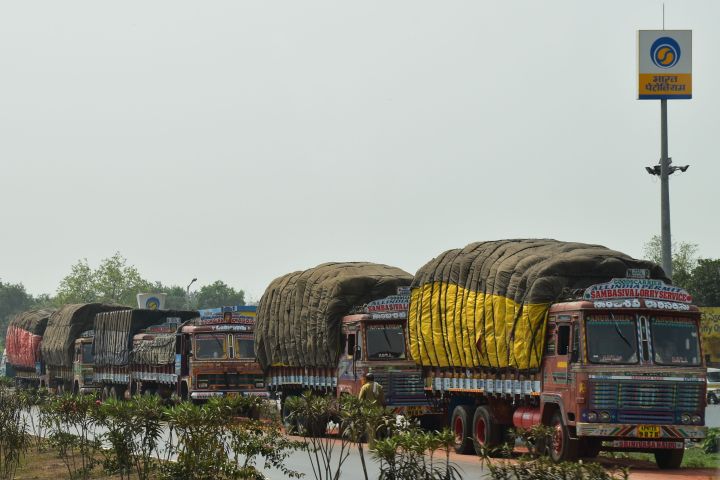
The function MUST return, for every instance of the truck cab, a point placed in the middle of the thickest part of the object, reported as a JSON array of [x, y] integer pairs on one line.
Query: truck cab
[[218, 356], [83, 365], [624, 371], [377, 342]]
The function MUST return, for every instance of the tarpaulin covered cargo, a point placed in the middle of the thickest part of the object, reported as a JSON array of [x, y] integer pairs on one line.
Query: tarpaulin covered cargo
[[65, 325], [24, 336], [299, 315], [114, 331], [160, 350], [486, 305]]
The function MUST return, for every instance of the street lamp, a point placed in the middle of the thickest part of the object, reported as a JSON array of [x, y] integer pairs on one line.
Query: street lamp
[[187, 294]]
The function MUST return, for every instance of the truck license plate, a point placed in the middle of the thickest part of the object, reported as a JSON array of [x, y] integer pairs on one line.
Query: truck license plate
[[648, 431]]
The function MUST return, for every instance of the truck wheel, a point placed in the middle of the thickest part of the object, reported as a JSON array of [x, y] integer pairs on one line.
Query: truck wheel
[[485, 432], [712, 398], [562, 447], [670, 458], [461, 427], [105, 394]]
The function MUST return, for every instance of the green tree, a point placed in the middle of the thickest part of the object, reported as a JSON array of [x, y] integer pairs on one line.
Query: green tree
[[684, 259], [705, 283], [13, 299], [113, 281], [219, 294], [175, 299]]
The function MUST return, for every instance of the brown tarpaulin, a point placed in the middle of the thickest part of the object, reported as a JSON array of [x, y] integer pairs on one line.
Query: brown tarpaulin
[[298, 318], [65, 325]]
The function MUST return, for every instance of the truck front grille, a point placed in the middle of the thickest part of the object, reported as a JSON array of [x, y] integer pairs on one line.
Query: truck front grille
[[645, 402], [229, 380], [402, 388]]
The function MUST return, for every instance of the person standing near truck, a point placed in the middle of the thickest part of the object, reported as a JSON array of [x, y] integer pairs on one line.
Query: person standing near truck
[[373, 393]]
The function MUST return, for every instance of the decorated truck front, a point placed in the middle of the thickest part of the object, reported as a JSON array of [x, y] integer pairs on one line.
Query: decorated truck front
[[217, 355], [634, 370]]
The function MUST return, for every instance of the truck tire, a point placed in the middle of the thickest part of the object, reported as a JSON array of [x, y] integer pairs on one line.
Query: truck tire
[[712, 398], [486, 433], [670, 458], [562, 448], [461, 425]]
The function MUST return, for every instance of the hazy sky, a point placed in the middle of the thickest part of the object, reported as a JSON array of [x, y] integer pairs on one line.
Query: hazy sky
[[243, 140]]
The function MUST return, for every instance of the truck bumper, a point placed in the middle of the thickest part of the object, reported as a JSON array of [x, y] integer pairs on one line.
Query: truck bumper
[[649, 433], [206, 395]]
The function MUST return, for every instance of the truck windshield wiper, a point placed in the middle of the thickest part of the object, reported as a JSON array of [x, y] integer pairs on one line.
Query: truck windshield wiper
[[619, 332]]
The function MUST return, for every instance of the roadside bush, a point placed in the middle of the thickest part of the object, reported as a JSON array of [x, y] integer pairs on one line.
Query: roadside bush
[[31, 400], [248, 439], [70, 423], [312, 413], [411, 454], [197, 438], [14, 440], [545, 469], [711, 443], [134, 430]]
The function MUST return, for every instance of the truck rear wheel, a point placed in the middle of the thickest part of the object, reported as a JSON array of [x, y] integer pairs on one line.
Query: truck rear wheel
[[562, 447], [461, 425], [486, 432], [670, 458]]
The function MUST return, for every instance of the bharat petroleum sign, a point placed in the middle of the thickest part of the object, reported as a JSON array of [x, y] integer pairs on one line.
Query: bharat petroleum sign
[[664, 64]]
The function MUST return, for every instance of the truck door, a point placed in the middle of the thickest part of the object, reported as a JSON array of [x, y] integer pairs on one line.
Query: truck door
[[557, 375]]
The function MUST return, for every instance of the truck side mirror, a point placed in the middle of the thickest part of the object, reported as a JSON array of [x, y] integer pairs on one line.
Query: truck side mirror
[[358, 353]]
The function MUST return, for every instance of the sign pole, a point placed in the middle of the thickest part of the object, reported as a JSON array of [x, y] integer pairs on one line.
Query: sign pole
[[665, 192]]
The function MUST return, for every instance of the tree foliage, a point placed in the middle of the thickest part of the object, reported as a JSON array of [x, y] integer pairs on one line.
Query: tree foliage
[[684, 259], [699, 276], [219, 294], [705, 283], [13, 299], [113, 281]]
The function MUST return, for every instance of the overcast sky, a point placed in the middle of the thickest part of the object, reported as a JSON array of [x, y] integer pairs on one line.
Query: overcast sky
[[242, 140]]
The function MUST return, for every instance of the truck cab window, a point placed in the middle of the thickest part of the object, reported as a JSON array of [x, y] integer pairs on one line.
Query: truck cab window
[[210, 346], [563, 340]]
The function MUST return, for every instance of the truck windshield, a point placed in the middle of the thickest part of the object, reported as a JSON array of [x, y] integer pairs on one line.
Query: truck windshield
[[385, 342], [244, 348], [87, 353], [611, 339], [675, 341], [210, 346]]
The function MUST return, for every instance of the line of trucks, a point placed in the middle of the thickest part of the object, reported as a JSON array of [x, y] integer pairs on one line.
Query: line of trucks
[[595, 344]]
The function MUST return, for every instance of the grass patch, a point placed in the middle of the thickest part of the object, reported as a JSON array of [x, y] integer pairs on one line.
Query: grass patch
[[694, 458], [46, 465]]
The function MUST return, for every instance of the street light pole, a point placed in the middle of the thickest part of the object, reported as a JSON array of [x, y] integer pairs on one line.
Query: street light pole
[[665, 192], [187, 294]]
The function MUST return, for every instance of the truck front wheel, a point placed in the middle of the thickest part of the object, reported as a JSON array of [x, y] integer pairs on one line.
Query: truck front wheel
[[562, 447], [670, 458], [461, 427]]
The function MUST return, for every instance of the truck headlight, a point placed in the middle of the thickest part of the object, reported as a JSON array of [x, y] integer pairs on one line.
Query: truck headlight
[[696, 419], [685, 418], [605, 416], [592, 417]]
